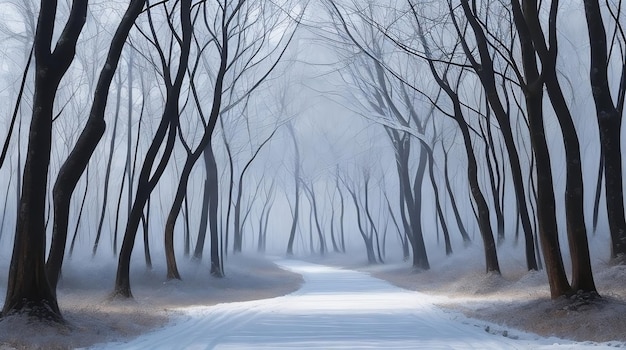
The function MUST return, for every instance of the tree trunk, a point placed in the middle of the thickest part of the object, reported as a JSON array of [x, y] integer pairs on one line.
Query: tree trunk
[[320, 234], [582, 278], [28, 289], [341, 216], [146, 182], [296, 209], [369, 247], [76, 163], [107, 174], [486, 74], [596, 201], [484, 223], [433, 182], [546, 208], [609, 123], [492, 171], [80, 214], [455, 209], [216, 262], [420, 257]]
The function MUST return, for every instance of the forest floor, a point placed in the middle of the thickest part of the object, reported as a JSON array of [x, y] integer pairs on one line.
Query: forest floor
[[516, 299], [92, 317]]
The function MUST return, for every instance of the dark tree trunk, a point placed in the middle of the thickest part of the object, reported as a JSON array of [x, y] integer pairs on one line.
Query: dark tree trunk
[[216, 254], [332, 230], [546, 208], [187, 238], [75, 164], [210, 200], [609, 123], [341, 216], [231, 186], [401, 236], [296, 208], [80, 215], [192, 158], [265, 224], [411, 204], [217, 266], [482, 213], [16, 110], [371, 221], [433, 181], [238, 236], [492, 171], [146, 182], [117, 215], [204, 219], [264, 219], [369, 247], [6, 201], [455, 209], [596, 201], [28, 289], [107, 174], [486, 74], [238, 226], [420, 257], [320, 234], [145, 222], [582, 277]]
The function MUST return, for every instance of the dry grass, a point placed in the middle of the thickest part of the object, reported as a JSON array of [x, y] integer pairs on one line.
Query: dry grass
[[92, 317], [521, 299]]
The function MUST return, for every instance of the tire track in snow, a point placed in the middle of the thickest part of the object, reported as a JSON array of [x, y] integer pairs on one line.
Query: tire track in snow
[[335, 309]]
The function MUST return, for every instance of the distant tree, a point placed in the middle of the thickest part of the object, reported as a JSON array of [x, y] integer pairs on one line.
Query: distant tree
[[333, 238], [455, 209], [238, 223], [296, 205], [388, 100], [310, 190], [367, 235], [264, 217], [107, 173]]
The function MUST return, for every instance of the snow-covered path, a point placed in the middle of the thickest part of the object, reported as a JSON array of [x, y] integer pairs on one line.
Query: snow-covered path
[[336, 309]]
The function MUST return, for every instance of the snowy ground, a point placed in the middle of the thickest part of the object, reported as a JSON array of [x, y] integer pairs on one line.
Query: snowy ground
[[521, 299], [517, 298], [94, 318], [336, 309]]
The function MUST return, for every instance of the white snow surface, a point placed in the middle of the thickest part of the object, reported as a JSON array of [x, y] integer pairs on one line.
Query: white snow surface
[[337, 309]]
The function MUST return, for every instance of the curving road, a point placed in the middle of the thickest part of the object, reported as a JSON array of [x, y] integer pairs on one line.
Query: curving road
[[336, 309]]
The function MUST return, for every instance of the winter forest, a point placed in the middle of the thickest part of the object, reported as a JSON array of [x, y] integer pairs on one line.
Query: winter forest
[[167, 146]]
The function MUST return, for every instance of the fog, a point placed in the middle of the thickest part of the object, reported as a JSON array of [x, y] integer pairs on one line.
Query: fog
[[315, 75], [332, 130]]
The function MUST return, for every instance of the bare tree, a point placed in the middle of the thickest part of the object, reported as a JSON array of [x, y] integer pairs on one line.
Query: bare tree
[[77, 161], [609, 114], [28, 289], [310, 190], [296, 206], [148, 178], [582, 278]]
